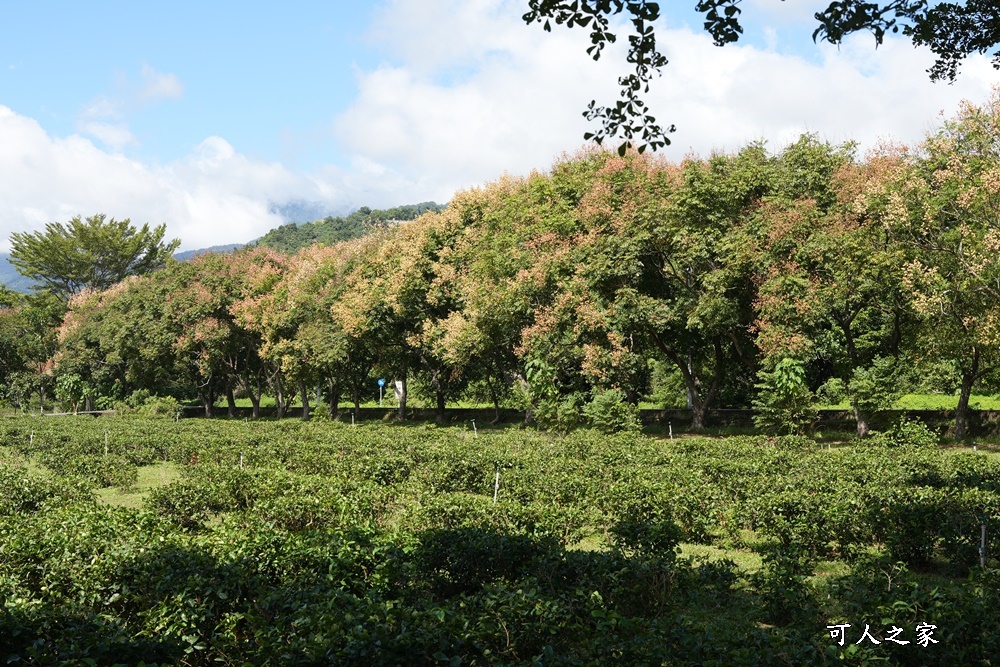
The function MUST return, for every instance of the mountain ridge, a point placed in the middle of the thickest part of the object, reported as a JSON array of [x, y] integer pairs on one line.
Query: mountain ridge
[[287, 238]]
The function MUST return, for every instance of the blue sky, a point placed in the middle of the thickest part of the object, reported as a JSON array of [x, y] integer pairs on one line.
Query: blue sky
[[267, 77], [206, 115]]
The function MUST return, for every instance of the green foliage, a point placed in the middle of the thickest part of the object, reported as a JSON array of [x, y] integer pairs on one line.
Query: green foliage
[[906, 433], [785, 402], [550, 408], [166, 407], [71, 389], [94, 253], [609, 412], [875, 388], [832, 392], [668, 389], [293, 237], [24, 494], [384, 545], [936, 377]]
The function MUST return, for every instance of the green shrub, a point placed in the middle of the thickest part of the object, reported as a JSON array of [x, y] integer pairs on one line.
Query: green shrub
[[22, 494], [784, 403], [160, 406], [609, 412], [832, 392], [906, 433], [560, 414]]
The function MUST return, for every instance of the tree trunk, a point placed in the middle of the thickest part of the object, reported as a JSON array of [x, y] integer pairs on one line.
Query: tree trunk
[[333, 399], [41, 399], [230, 403], [690, 387], [698, 410], [88, 404], [962, 411], [304, 393], [439, 413], [206, 403], [529, 416], [862, 423], [279, 397], [255, 402], [401, 397], [356, 398], [699, 401]]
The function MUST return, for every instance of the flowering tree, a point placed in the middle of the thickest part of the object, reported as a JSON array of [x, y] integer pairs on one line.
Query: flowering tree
[[944, 208]]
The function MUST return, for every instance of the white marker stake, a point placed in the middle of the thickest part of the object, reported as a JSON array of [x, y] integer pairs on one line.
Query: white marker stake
[[241, 460], [474, 430], [982, 547], [670, 425], [496, 487], [31, 440], [105, 443], [352, 418]]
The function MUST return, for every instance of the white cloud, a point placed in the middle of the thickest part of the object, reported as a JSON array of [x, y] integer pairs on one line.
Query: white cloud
[[516, 102], [214, 195], [471, 93], [158, 85], [113, 135], [105, 116]]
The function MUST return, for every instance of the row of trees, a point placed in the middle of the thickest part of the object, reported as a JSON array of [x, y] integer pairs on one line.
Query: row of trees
[[759, 278]]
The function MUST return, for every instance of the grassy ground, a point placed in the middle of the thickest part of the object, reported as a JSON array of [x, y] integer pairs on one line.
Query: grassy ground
[[150, 477], [931, 402]]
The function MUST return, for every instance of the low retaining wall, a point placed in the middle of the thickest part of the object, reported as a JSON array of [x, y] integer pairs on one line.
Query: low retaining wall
[[981, 422]]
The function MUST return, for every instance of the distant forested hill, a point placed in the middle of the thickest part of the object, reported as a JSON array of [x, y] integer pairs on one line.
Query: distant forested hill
[[291, 237], [190, 254], [11, 278]]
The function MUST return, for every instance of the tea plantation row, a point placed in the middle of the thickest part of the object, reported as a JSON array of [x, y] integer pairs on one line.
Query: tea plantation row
[[322, 543]]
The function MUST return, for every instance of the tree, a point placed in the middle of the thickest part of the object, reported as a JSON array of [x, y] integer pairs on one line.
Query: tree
[[404, 300], [952, 30], [120, 340], [830, 275], [94, 253], [784, 402], [27, 342], [944, 208], [680, 279]]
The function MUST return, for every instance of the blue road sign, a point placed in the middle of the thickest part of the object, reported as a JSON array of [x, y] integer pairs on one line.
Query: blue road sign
[[381, 382]]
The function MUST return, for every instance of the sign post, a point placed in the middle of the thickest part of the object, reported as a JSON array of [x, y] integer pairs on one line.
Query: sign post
[[381, 384]]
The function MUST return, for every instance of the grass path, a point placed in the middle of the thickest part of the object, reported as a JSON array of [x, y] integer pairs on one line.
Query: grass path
[[150, 477]]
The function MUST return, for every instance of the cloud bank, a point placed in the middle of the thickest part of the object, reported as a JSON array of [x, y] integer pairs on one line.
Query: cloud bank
[[466, 93], [519, 102]]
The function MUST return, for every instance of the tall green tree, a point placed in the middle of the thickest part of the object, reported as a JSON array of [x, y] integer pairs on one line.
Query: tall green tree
[[830, 275], [94, 253], [944, 207]]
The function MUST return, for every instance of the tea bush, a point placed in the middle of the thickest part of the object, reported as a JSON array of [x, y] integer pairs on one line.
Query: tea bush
[[322, 543]]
